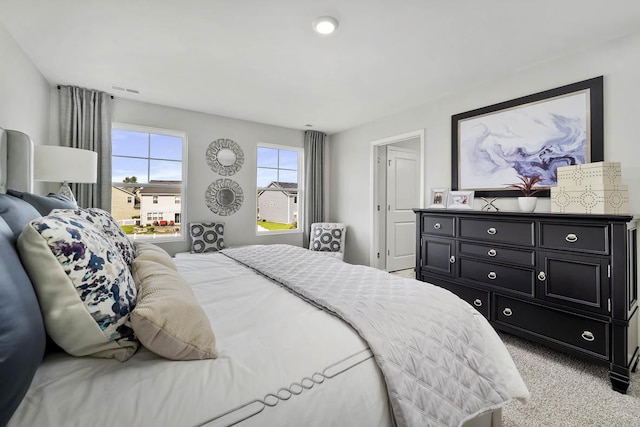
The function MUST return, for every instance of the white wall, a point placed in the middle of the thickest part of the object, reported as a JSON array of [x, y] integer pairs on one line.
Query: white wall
[[24, 94], [201, 130], [618, 61]]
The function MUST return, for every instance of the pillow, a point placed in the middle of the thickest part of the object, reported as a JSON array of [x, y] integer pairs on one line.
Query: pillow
[[84, 287], [22, 335], [206, 237], [44, 204], [326, 239], [149, 251], [167, 318], [103, 221], [17, 213]]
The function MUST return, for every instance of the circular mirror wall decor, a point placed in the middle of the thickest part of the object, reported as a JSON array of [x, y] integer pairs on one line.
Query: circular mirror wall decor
[[224, 157], [224, 196]]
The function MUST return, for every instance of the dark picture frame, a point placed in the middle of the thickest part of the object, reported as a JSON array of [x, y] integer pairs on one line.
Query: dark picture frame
[[531, 135]]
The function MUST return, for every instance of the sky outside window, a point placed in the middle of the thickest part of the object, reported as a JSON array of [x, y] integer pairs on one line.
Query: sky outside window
[[146, 156], [276, 165]]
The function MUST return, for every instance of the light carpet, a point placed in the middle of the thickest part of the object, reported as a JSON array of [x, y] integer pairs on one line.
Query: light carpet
[[566, 391]]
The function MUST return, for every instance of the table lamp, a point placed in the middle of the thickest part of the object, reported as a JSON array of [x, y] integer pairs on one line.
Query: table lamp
[[64, 164]]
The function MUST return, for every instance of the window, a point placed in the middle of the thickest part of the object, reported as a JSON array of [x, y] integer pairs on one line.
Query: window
[[150, 164], [278, 189]]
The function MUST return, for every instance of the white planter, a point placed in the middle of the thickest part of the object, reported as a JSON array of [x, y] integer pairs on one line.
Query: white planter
[[527, 204]]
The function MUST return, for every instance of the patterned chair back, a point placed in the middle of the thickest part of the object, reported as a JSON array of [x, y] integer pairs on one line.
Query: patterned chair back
[[328, 238]]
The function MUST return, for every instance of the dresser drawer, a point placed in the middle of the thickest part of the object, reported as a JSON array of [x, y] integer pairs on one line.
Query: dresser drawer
[[475, 297], [439, 225], [577, 331], [582, 238], [497, 253], [512, 278], [515, 232]]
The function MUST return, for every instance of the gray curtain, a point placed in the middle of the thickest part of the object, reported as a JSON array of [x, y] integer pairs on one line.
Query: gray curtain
[[313, 181], [85, 122]]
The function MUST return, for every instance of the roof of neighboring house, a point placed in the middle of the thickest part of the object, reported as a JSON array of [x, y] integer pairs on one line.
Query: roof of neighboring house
[[284, 186], [172, 188], [129, 193]]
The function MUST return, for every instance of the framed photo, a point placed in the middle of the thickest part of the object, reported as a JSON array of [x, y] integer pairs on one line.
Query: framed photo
[[460, 200], [532, 135], [439, 198]]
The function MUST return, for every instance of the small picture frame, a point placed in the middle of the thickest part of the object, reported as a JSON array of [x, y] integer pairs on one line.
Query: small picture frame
[[439, 198], [460, 200]]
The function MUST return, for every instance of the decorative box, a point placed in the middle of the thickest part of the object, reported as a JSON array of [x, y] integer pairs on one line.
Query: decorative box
[[598, 174], [590, 199]]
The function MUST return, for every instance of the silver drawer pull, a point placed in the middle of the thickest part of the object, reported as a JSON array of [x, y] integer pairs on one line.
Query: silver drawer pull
[[477, 302], [492, 252], [452, 259], [571, 238], [492, 275], [507, 312], [437, 226], [542, 276], [588, 336], [491, 230]]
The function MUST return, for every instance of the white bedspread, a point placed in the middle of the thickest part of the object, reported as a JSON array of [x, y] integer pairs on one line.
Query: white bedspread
[[268, 340]]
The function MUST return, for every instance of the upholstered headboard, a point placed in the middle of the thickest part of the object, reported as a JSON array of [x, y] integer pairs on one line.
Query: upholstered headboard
[[22, 333], [16, 161]]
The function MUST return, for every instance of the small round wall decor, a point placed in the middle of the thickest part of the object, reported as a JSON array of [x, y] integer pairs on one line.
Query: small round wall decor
[[224, 197], [224, 157]]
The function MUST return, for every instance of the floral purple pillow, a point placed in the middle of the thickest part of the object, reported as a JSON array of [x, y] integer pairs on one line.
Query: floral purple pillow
[[84, 287], [105, 222]]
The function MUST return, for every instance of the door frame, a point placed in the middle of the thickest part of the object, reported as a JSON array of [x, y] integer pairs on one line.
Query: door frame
[[373, 186]]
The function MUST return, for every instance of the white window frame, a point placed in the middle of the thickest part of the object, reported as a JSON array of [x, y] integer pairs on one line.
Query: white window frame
[[300, 151], [183, 191]]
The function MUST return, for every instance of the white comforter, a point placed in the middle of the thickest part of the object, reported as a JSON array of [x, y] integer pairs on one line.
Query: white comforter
[[268, 340]]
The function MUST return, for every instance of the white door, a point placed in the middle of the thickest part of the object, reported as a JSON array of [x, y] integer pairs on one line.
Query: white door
[[403, 194]]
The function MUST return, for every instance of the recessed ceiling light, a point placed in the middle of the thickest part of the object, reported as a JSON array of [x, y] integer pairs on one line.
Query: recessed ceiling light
[[325, 25]]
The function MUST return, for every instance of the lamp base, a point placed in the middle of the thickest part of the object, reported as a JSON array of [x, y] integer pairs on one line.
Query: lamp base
[[65, 191]]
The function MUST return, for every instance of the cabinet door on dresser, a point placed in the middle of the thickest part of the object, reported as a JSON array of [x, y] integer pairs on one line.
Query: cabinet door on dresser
[[573, 280], [437, 255]]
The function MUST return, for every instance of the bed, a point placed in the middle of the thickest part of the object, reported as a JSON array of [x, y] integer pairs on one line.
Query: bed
[[283, 356]]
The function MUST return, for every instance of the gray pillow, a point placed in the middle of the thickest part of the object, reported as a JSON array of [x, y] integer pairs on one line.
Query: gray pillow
[[22, 334], [206, 237], [44, 204], [16, 213]]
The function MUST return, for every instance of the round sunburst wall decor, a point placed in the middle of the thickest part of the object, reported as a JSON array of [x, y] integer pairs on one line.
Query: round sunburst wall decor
[[224, 197], [224, 157]]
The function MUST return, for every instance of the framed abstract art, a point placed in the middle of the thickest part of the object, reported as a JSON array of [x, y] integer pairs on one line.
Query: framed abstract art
[[532, 135]]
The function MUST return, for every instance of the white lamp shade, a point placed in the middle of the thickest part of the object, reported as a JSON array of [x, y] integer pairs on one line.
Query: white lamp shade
[[64, 164]]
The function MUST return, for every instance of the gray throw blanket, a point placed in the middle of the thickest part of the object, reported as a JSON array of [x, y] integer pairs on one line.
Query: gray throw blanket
[[426, 341]]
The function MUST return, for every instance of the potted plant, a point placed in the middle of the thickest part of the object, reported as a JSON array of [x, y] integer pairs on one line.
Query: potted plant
[[528, 202]]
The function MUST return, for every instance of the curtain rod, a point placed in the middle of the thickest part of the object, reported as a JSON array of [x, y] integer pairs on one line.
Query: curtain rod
[[59, 89]]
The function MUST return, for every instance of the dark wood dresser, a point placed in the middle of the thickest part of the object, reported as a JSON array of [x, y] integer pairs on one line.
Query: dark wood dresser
[[567, 281]]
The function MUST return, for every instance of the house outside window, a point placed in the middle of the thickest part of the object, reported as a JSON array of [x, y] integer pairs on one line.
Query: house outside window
[[148, 166], [279, 192]]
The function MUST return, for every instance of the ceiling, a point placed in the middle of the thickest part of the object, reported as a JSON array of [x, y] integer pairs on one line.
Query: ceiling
[[260, 60]]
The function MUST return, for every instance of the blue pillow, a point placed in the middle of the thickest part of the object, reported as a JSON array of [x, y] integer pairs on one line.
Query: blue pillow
[[22, 334], [16, 213], [44, 204]]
